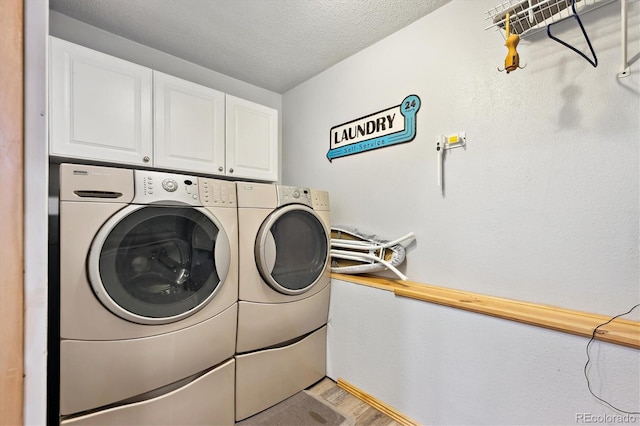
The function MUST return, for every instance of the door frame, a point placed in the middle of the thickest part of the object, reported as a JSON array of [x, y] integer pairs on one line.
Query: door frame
[[12, 211]]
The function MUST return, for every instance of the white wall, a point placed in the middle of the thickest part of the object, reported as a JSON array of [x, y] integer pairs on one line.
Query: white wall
[[542, 206], [441, 366]]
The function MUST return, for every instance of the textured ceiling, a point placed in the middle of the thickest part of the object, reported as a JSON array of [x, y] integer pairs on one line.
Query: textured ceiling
[[273, 44]]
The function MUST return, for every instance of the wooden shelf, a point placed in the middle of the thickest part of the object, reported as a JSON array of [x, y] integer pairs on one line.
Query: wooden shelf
[[620, 331]]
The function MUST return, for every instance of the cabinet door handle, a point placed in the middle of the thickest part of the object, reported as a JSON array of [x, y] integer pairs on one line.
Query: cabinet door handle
[[230, 170], [146, 159], [220, 169]]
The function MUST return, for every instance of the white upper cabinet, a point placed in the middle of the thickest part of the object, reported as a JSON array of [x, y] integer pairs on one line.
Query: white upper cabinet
[[100, 106], [252, 140], [188, 125], [106, 109]]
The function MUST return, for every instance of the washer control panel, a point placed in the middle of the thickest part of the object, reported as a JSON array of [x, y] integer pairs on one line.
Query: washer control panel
[[219, 193], [293, 194], [165, 188]]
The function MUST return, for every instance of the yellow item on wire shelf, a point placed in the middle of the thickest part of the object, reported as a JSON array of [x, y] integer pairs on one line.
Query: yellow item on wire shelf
[[512, 60]]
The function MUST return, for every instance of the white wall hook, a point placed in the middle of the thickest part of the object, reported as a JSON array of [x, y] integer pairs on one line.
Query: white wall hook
[[444, 143]]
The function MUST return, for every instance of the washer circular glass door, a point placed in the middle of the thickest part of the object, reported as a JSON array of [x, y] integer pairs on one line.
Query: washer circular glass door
[[292, 249], [158, 264]]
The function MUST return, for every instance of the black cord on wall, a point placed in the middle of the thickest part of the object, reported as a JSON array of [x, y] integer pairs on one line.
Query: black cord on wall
[[593, 336]]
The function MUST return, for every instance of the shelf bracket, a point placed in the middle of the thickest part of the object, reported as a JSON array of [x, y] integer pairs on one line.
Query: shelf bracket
[[624, 67]]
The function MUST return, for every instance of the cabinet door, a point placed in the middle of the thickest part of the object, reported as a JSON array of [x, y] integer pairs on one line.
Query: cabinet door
[[100, 106], [252, 140], [189, 125]]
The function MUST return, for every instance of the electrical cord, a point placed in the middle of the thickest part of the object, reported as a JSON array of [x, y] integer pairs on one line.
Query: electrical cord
[[593, 336]]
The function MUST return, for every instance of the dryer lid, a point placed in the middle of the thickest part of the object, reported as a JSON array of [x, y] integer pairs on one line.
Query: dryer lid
[[155, 265], [292, 249]]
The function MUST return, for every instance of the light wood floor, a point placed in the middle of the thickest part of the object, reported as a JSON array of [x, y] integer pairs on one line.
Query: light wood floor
[[348, 404]]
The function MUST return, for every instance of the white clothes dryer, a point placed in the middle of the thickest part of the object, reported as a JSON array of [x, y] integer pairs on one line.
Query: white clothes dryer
[[284, 289], [148, 296]]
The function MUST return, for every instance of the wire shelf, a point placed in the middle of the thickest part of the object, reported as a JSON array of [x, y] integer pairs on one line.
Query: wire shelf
[[527, 17]]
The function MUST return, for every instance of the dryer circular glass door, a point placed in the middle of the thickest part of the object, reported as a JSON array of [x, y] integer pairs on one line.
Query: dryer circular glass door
[[292, 249], [158, 264]]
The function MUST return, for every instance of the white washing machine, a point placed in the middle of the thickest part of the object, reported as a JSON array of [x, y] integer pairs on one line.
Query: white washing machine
[[284, 288], [148, 297]]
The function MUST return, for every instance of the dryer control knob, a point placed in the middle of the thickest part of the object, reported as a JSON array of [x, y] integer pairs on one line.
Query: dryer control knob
[[170, 185]]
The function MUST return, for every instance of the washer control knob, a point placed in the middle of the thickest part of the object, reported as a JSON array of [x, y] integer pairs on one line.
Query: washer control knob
[[169, 185], [296, 193]]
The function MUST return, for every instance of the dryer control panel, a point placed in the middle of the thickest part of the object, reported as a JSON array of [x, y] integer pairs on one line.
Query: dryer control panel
[[320, 199], [293, 194], [165, 188]]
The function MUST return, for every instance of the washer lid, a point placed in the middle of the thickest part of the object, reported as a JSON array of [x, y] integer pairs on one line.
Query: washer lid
[[155, 265], [292, 249]]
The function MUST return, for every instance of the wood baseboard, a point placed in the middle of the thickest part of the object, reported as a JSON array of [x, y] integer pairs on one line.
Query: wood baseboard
[[376, 403]]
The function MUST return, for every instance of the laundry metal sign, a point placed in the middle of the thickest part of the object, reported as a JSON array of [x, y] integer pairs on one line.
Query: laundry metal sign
[[388, 127]]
